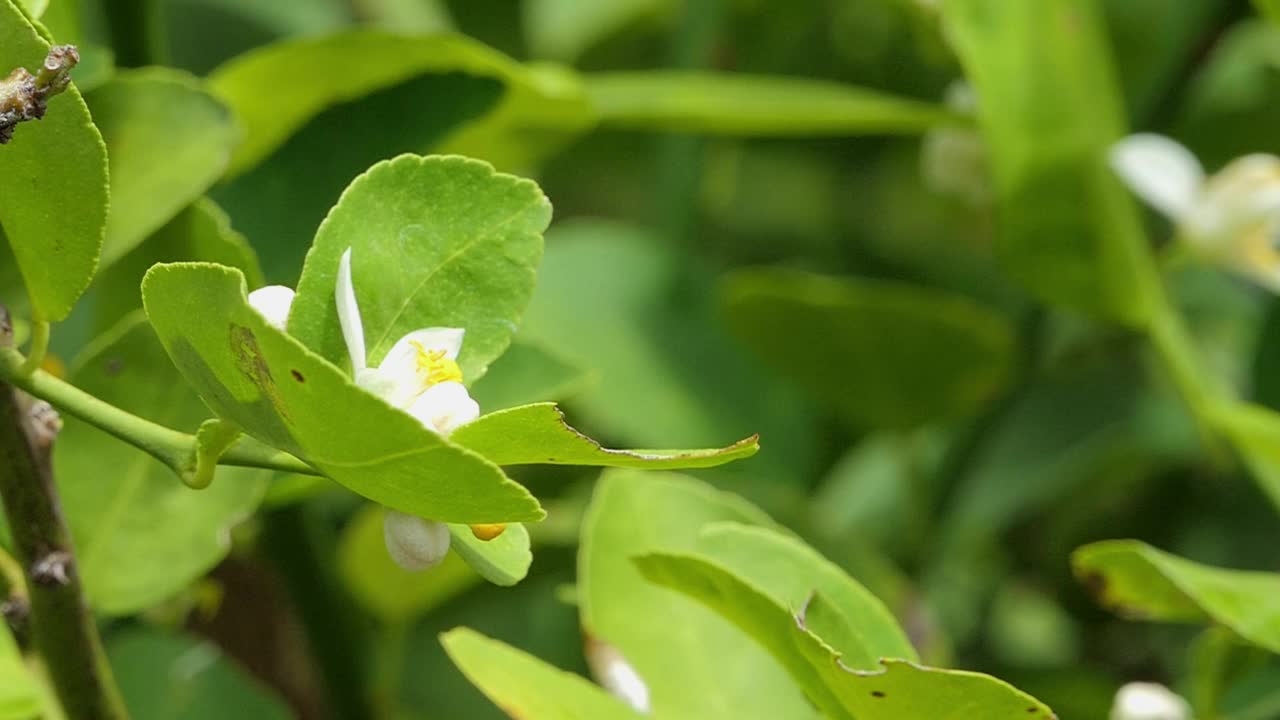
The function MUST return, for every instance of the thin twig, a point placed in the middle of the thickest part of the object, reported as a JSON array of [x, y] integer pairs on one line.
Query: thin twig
[[62, 627], [24, 96]]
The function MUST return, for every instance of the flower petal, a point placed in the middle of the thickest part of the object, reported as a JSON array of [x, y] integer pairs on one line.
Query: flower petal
[[1161, 171], [349, 314], [1148, 701], [445, 407], [413, 543], [273, 303]]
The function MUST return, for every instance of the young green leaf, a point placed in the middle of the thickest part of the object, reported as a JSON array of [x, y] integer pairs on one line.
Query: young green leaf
[[884, 354], [538, 434], [899, 691], [141, 535], [526, 687], [268, 383], [1067, 230], [168, 141], [54, 205], [536, 104], [792, 574], [504, 560], [435, 242], [1138, 581], [754, 105], [678, 648]]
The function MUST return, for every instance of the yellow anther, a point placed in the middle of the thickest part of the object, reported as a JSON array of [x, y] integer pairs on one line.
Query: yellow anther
[[487, 532], [435, 367]]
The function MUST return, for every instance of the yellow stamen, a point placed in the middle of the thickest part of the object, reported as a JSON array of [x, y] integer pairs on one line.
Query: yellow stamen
[[488, 532], [435, 367]]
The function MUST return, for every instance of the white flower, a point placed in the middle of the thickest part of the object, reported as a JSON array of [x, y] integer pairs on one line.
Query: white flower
[[419, 374], [272, 303], [415, 544], [1231, 218], [1149, 701], [616, 675]]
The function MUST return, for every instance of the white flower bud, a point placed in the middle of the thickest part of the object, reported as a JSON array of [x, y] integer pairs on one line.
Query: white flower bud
[[1149, 701], [616, 675], [415, 544], [272, 303]]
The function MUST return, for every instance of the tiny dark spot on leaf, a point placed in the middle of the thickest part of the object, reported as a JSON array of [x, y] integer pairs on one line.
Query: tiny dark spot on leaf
[[114, 366], [297, 376], [877, 693], [1031, 710], [1095, 583]]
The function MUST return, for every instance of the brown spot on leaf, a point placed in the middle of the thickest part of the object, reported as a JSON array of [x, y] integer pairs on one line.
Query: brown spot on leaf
[[877, 694], [297, 376], [113, 367]]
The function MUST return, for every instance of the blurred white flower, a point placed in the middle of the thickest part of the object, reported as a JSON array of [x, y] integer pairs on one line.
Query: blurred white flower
[[413, 543], [616, 675], [272, 303], [1149, 701], [1231, 218]]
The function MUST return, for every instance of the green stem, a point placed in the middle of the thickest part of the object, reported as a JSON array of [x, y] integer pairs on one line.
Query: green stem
[[39, 347], [173, 448], [62, 627]]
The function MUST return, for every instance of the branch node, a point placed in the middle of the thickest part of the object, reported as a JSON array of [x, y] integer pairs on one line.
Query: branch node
[[45, 423], [52, 570], [24, 96], [16, 612]]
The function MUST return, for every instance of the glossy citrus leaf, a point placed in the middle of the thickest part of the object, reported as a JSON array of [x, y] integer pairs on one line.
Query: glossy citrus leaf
[[526, 687], [538, 104], [168, 141], [56, 217], [538, 434], [268, 383], [884, 354], [437, 241], [141, 535], [1138, 581], [677, 647], [504, 560], [754, 105], [899, 691]]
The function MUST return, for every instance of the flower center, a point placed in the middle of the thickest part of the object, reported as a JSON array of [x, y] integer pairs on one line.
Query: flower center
[[434, 367]]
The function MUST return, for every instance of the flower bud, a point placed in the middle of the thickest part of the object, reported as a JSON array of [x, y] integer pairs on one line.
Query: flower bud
[[1149, 701], [616, 675], [272, 303], [413, 543]]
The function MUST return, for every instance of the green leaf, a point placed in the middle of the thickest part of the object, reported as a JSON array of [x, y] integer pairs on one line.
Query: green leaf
[[435, 242], [899, 691], [168, 141], [884, 354], [538, 105], [174, 677], [141, 536], [792, 573], [201, 232], [56, 215], [503, 560], [756, 105], [384, 588], [564, 29], [526, 687], [527, 372], [20, 697], [1255, 432], [283, 394], [1067, 231], [538, 434], [1138, 581], [678, 647], [1270, 9], [624, 304]]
